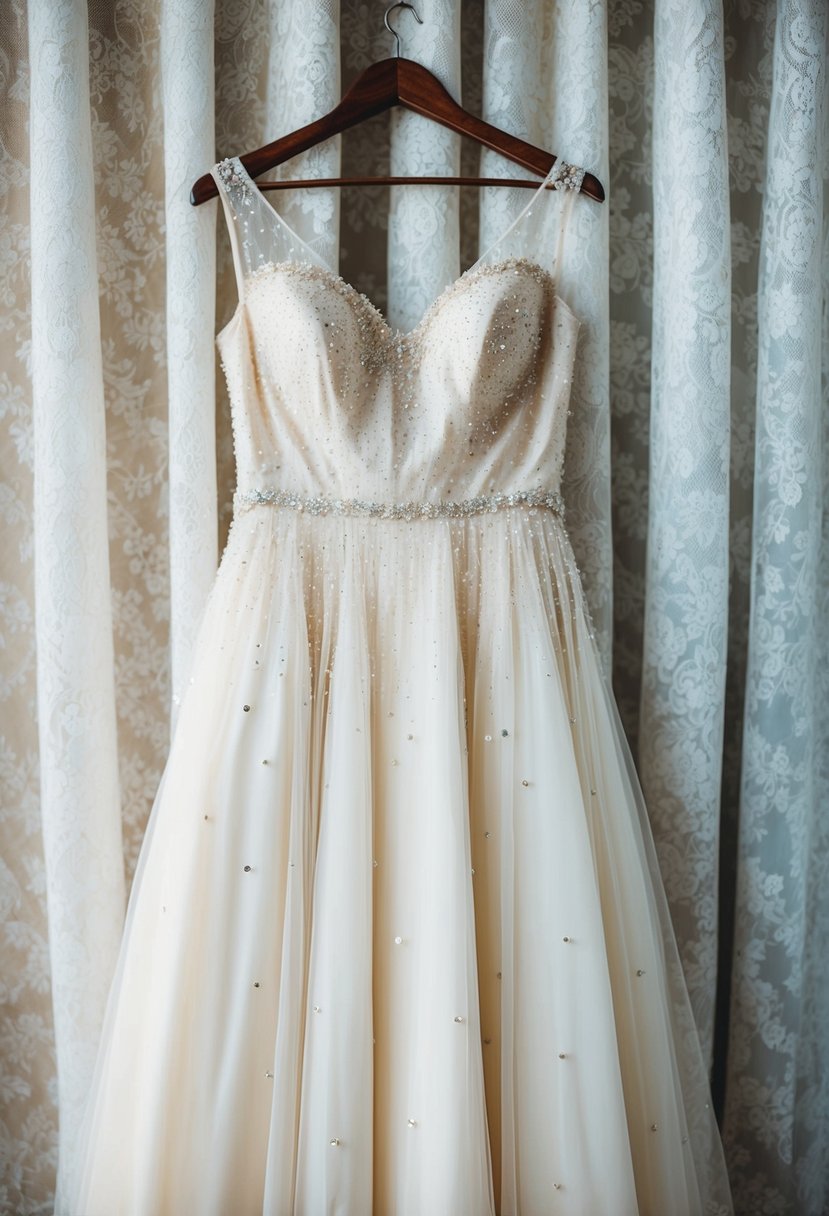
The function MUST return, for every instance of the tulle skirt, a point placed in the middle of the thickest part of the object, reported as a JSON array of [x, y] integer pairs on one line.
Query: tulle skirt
[[397, 941]]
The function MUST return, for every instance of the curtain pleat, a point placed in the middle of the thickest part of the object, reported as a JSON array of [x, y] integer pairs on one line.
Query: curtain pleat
[[303, 82], [575, 65], [512, 50], [686, 577], [83, 874], [423, 255], [187, 100], [777, 1093]]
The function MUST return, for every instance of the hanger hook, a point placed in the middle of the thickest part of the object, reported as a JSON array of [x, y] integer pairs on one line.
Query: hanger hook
[[391, 30]]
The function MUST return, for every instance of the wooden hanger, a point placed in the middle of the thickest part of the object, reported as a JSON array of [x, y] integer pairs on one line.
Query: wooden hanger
[[386, 83]]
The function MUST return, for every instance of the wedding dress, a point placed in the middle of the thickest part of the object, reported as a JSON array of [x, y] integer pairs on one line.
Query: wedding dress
[[397, 942]]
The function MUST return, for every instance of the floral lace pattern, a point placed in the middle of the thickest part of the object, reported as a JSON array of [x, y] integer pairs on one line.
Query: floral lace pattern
[[590, 57]]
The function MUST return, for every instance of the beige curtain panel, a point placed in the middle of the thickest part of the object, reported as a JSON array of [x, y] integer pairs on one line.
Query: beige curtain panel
[[696, 473]]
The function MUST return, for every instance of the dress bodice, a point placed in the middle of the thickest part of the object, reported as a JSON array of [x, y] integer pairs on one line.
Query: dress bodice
[[329, 401]]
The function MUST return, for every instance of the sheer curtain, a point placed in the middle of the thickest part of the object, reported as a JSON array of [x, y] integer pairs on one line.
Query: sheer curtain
[[695, 473]]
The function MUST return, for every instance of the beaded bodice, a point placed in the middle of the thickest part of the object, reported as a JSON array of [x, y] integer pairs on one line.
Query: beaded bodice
[[331, 405]]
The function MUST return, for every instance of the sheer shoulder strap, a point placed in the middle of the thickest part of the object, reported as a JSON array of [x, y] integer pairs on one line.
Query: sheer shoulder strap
[[259, 236], [236, 204], [537, 232], [567, 180]]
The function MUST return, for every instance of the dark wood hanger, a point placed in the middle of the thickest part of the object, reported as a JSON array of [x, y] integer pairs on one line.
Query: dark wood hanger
[[386, 83]]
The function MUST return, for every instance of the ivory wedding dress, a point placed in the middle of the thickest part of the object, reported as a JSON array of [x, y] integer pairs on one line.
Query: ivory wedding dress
[[397, 942]]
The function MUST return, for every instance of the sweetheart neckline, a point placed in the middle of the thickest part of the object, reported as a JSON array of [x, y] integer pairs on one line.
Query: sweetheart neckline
[[391, 334]]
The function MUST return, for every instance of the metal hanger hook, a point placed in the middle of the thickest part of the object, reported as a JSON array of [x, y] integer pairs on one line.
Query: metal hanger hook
[[391, 30]]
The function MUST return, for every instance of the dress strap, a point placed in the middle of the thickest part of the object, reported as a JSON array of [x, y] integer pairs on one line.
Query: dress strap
[[537, 233], [259, 235], [568, 179], [237, 204]]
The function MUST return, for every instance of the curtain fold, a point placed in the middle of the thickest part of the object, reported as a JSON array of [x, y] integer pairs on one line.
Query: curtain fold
[[777, 1115], [695, 475], [187, 101], [303, 81], [422, 248], [83, 875], [575, 68], [682, 704]]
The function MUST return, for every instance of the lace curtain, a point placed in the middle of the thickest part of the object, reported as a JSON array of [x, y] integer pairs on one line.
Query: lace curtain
[[698, 453]]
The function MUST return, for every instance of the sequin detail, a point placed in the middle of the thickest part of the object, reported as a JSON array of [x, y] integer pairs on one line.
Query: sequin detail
[[459, 508], [567, 176], [406, 341], [234, 180]]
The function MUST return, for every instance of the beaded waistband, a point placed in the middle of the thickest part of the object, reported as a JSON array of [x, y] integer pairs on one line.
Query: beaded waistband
[[458, 508]]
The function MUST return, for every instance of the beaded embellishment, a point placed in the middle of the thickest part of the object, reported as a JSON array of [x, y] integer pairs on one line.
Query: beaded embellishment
[[567, 176], [232, 178], [447, 508], [381, 338]]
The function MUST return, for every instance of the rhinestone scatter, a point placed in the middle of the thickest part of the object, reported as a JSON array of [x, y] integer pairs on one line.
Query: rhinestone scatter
[[398, 351], [235, 182], [567, 176], [368, 356], [320, 505]]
